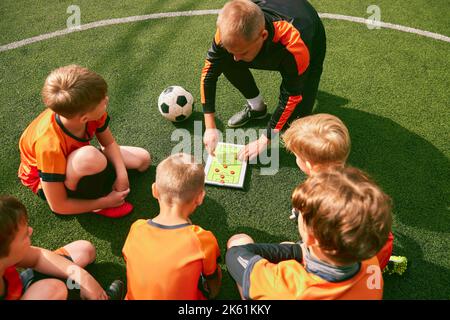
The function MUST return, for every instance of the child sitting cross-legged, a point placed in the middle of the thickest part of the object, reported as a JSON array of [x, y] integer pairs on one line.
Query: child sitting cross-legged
[[57, 161], [168, 257], [321, 142], [343, 219], [66, 262]]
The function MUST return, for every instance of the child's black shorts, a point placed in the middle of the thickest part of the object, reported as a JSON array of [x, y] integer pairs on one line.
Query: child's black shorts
[[91, 187]]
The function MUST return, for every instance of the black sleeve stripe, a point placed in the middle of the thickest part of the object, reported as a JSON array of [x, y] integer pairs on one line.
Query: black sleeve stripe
[[104, 126], [52, 177]]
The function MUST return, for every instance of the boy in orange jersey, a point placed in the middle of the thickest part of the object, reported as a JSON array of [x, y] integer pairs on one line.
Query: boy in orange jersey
[[57, 161], [344, 219], [320, 142], [167, 256], [66, 262]]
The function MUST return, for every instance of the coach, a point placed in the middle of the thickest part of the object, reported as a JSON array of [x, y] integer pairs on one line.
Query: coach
[[283, 35]]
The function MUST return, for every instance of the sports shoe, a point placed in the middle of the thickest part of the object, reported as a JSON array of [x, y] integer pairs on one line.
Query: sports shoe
[[396, 264], [116, 290], [244, 116], [116, 212]]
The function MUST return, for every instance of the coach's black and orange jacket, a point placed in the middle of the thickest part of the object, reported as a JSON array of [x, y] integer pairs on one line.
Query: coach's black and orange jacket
[[284, 50]]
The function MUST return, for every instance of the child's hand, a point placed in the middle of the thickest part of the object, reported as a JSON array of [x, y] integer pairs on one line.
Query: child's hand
[[121, 183], [90, 289], [116, 198]]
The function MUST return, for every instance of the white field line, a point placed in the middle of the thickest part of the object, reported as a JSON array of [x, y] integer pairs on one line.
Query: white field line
[[109, 22]]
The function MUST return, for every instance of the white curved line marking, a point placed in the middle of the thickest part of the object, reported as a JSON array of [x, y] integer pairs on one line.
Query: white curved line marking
[[109, 22], [386, 25]]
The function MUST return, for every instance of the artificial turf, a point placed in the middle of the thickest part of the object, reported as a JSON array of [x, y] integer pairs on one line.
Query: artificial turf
[[390, 88]]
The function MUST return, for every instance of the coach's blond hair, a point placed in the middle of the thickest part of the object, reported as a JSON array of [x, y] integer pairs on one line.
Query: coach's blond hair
[[322, 139], [179, 179], [73, 90], [240, 19], [348, 214]]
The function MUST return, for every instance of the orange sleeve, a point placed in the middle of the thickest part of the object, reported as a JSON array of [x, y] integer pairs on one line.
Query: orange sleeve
[[289, 36], [205, 71], [50, 160], [210, 249]]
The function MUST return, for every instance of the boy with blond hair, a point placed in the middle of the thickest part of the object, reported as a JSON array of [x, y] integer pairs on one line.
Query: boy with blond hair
[[318, 142], [66, 262], [167, 256], [321, 142], [343, 219], [57, 161]]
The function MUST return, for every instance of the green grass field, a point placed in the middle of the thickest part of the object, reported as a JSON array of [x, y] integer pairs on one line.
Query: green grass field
[[390, 88]]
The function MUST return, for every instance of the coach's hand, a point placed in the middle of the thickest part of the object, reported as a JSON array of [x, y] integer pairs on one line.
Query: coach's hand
[[210, 140], [254, 148]]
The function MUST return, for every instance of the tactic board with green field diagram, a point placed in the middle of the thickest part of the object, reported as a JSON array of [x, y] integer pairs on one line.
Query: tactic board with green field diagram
[[225, 169]]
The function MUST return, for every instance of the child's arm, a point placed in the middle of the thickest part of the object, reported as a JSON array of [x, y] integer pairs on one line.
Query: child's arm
[[60, 203], [214, 282], [52, 264], [112, 152]]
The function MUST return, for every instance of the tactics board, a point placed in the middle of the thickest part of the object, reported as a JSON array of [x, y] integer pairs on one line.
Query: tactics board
[[225, 169]]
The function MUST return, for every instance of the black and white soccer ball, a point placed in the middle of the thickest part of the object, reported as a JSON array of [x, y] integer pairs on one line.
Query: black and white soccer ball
[[175, 103]]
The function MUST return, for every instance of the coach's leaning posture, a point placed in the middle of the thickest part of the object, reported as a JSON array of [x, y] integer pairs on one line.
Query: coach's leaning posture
[[283, 35]]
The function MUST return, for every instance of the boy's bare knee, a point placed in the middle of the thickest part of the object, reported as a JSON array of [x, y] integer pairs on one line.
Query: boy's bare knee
[[57, 289], [82, 252], [87, 160], [146, 160], [239, 240], [48, 289], [89, 250]]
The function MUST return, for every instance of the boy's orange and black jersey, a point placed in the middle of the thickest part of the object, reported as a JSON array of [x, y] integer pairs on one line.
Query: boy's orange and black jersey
[[292, 26], [292, 272], [290, 280], [45, 145], [166, 262]]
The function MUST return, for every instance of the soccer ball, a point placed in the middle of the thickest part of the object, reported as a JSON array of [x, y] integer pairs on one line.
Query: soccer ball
[[175, 103]]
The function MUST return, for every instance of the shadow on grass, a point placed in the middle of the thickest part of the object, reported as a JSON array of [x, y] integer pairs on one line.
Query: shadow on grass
[[408, 167], [422, 279], [115, 231]]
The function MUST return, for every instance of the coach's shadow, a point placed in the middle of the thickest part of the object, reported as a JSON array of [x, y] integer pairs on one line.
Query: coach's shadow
[[408, 167], [115, 231]]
